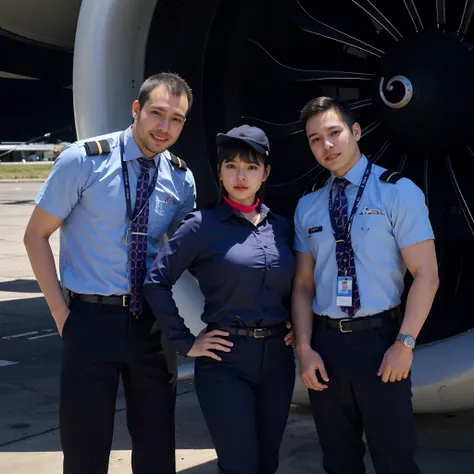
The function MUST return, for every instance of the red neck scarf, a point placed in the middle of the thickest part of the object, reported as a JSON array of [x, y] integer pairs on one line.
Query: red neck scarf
[[241, 207]]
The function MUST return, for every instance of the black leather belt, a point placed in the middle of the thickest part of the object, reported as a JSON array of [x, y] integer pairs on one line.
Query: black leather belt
[[346, 325], [116, 300], [257, 333]]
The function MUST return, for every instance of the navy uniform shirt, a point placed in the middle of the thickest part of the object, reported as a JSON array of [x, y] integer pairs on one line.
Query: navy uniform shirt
[[88, 193], [389, 218], [244, 271]]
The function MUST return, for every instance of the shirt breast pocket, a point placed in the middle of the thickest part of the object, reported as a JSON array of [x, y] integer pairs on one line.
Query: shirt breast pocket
[[161, 215], [368, 229], [166, 206]]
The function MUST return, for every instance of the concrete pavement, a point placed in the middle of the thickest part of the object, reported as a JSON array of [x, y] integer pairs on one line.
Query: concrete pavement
[[29, 367]]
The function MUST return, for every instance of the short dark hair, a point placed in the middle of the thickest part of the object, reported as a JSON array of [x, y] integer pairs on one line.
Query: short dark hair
[[228, 151], [173, 82], [323, 104]]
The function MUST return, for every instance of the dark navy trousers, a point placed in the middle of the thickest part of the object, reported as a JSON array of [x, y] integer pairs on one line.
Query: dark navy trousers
[[357, 400], [245, 399], [101, 344]]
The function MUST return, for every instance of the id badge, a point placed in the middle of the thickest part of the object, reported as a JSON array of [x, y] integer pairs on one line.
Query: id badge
[[344, 291]]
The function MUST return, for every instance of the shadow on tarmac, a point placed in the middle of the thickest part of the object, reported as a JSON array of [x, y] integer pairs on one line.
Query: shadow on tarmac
[[20, 286], [18, 203]]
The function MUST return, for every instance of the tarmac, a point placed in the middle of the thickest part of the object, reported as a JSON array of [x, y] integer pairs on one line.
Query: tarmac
[[29, 389]]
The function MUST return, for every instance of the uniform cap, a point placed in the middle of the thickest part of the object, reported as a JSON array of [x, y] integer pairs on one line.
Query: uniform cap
[[253, 136]]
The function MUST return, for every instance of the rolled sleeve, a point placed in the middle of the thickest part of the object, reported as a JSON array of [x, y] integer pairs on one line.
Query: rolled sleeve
[[300, 241], [62, 189], [409, 214], [177, 255]]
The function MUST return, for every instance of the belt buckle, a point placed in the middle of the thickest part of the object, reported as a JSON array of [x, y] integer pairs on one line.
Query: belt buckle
[[255, 333], [125, 302], [341, 328]]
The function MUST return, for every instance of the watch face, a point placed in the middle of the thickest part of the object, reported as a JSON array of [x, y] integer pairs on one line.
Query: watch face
[[409, 341]]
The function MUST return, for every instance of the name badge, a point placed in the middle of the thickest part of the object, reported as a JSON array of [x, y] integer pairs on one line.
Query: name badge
[[313, 230], [344, 291]]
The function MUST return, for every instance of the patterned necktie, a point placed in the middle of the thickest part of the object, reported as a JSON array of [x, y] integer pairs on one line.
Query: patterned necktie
[[344, 252], [139, 229]]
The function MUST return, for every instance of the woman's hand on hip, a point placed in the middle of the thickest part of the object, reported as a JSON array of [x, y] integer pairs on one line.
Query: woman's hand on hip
[[210, 341]]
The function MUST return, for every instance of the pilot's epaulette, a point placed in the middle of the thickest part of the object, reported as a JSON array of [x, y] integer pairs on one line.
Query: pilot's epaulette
[[317, 185], [97, 147], [178, 162], [392, 177]]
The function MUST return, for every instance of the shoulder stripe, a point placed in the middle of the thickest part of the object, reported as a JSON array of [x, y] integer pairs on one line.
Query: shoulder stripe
[[178, 162], [97, 147], [392, 177]]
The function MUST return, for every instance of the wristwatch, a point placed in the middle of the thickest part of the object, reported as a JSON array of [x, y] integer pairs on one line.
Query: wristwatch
[[406, 340]]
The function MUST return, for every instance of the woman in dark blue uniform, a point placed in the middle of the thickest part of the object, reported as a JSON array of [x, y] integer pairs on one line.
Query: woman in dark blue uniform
[[240, 252]]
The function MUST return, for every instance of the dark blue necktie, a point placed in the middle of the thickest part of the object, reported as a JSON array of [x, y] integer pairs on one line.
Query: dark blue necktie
[[344, 251], [139, 241]]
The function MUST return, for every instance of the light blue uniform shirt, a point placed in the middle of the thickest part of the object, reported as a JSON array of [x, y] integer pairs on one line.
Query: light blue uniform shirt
[[88, 193], [389, 218]]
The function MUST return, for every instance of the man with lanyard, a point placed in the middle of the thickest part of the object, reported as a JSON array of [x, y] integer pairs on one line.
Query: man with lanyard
[[355, 238], [114, 198]]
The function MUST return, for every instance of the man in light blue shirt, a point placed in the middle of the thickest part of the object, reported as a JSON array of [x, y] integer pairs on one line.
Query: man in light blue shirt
[[95, 181], [390, 217], [114, 198], [355, 238]]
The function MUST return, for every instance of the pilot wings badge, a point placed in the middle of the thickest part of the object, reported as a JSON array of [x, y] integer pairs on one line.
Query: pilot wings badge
[[367, 211]]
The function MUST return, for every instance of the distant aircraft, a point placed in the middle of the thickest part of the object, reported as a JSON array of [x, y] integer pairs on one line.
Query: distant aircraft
[[9, 147], [406, 68], [25, 150], [30, 151]]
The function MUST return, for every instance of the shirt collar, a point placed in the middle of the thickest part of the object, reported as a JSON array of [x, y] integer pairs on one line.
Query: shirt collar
[[132, 150], [225, 211], [355, 174]]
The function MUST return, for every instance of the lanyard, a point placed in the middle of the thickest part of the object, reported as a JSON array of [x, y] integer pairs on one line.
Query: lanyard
[[126, 184], [337, 236]]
